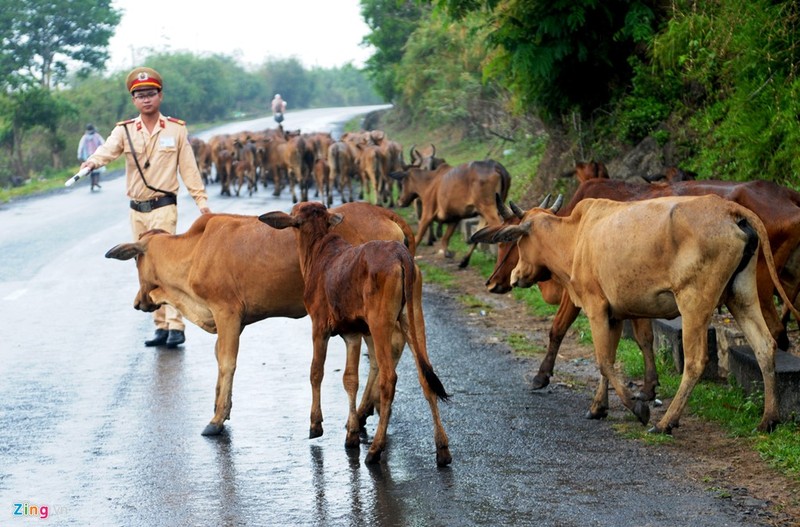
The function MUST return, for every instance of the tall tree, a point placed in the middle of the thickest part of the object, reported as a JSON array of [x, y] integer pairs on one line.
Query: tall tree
[[391, 22], [40, 38], [557, 55]]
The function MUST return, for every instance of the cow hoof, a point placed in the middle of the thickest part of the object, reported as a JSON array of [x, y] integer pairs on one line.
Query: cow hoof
[[540, 381], [443, 457], [463, 263], [597, 414], [658, 430], [314, 431], [353, 440], [212, 430], [767, 425], [373, 457], [642, 410]]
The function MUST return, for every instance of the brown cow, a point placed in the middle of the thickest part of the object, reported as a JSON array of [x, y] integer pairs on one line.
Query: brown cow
[[671, 174], [341, 160], [585, 171], [778, 208], [228, 271], [658, 258], [363, 290], [451, 194], [202, 153], [554, 294]]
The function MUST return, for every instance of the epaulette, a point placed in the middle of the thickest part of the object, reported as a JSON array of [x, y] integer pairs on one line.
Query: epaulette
[[176, 120], [123, 123]]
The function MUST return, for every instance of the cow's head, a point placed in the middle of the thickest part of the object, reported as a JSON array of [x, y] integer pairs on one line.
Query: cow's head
[[584, 171], [507, 253], [149, 297], [408, 190], [671, 175], [425, 162], [527, 270], [311, 219]]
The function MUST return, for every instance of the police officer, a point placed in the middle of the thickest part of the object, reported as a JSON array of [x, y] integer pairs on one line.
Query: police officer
[[156, 149]]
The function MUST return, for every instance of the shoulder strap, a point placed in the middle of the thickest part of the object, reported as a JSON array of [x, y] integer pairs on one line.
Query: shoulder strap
[[136, 160]]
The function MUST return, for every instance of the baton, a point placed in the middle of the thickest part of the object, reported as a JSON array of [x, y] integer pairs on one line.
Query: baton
[[71, 181]]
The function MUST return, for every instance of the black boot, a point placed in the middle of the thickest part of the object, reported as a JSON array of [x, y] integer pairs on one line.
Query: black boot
[[175, 338], [159, 339]]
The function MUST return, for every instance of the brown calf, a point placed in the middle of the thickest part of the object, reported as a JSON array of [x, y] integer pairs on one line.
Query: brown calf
[[355, 291]]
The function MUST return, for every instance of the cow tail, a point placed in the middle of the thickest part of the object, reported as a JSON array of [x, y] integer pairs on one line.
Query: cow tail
[[751, 219], [333, 161], [410, 240], [505, 181], [410, 277]]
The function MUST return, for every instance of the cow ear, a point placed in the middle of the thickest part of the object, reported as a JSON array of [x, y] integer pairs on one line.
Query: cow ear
[[125, 251], [335, 219], [399, 176], [277, 220]]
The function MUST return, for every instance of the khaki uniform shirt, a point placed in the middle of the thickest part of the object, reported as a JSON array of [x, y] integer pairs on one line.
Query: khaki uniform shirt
[[166, 152]]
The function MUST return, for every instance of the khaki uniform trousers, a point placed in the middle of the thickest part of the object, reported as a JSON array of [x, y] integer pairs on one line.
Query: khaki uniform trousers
[[165, 218]]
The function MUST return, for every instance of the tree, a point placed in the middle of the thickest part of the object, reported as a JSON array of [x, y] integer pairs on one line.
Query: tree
[[26, 110], [391, 22], [557, 55], [441, 72], [290, 79], [40, 38]]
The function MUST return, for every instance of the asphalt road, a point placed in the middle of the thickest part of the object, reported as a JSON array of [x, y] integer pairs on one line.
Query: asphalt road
[[99, 430]]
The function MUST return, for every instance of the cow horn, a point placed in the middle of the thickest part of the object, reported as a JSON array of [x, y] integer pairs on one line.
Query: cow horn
[[557, 205], [518, 212], [433, 148], [504, 211], [545, 201], [650, 178]]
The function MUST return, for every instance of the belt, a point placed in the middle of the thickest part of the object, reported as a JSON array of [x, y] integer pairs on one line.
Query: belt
[[147, 206]]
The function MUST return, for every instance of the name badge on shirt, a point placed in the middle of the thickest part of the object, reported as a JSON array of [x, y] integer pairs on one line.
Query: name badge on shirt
[[167, 142]]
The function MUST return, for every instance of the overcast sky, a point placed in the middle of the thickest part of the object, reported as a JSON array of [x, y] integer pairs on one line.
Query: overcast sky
[[324, 33]]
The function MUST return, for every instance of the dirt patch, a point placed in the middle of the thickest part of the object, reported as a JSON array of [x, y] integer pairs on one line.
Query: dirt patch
[[728, 466]]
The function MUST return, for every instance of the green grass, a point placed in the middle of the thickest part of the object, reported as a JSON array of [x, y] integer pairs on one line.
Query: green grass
[[523, 346], [46, 182], [723, 403]]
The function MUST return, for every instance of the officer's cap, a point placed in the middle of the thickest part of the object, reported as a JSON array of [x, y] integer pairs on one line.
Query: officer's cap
[[143, 78]]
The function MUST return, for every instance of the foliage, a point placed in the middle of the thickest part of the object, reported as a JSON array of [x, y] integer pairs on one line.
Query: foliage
[[23, 112], [737, 62], [40, 39], [441, 72], [558, 55], [343, 86], [391, 23]]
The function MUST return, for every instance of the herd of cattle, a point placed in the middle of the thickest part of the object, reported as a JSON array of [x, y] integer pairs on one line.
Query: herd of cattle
[[618, 250], [296, 159]]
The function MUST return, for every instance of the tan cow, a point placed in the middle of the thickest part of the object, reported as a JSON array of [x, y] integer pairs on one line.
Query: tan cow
[[451, 194], [659, 258], [363, 290], [228, 271], [342, 163]]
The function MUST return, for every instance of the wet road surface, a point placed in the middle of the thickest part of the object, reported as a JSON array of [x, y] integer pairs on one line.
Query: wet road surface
[[103, 431]]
